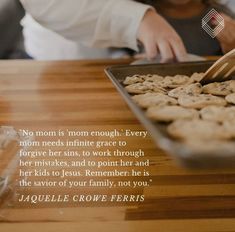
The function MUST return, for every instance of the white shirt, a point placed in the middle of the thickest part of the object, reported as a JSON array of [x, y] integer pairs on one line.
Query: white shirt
[[80, 29]]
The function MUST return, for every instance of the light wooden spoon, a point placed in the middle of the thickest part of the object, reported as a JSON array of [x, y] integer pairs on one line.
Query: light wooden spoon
[[222, 70]]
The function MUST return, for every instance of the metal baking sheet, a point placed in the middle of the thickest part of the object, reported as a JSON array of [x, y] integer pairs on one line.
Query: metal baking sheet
[[183, 153]]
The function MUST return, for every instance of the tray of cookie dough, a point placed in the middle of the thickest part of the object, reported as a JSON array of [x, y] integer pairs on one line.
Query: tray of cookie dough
[[195, 124]]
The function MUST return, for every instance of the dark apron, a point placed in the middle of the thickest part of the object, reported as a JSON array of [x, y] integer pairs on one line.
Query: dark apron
[[195, 39], [11, 13]]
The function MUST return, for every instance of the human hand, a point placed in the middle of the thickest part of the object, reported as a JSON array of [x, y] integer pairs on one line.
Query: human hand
[[227, 36], [158, 37]]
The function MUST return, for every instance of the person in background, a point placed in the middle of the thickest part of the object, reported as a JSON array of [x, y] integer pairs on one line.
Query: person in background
[[11, 39], [81, 29], [185, 16], [227, 36], [84, 29]]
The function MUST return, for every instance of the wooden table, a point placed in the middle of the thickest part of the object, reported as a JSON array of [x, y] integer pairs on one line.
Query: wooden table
[[74, 94]]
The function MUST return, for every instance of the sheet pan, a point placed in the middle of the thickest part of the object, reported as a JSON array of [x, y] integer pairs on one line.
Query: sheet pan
[[184, 154]]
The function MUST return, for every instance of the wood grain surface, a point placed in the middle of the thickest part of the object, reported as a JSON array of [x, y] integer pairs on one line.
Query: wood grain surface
[[78, 95]]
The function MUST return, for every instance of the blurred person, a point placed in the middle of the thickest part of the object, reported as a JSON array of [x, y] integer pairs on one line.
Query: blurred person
[[81, 29], [11, 40], [185, 16], [227, 36]]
